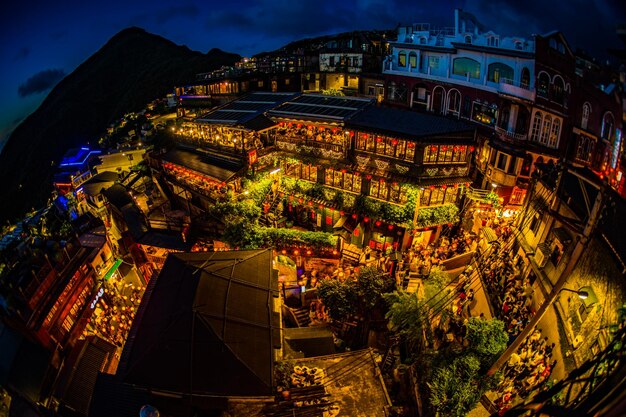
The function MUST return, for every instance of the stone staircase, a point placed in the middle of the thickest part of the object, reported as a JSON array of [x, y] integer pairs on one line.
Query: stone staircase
[[298, 316]]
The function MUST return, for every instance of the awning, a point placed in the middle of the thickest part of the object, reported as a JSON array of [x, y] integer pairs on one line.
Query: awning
[[112, 270]]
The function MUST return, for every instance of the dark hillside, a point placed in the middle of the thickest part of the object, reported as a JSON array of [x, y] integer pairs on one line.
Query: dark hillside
[[132, 69]]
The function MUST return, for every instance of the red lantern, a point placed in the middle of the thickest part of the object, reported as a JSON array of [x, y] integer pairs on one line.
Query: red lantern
[[335, 130], [444, 148], [378, 223], [351, 134], [310, 204], [455, 149], [365, 135], [395, 184], [368, 176], [289, 124], [411, 145], [394, 142], [321, 206], [357, 174], [382, 180], [432, 187], [298, 125], [354, 216], [310, 127], [456, 185], [379, 139], [390, 227], [467, 184], [433, 148], [471, 148], [344, 170], [296, 252], [443, 187], [300, 200], [366, 219], [308, 252], [341, 212]]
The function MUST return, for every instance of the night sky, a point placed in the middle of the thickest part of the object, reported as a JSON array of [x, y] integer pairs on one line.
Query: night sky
[[41, 42]]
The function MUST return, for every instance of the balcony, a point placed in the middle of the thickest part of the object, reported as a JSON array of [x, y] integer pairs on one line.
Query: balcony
[[509, 135], [515, 89]]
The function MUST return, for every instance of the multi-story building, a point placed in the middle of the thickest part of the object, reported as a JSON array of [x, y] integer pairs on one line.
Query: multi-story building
[[372, 172], [52, 302], [552, 226], [520, 93]]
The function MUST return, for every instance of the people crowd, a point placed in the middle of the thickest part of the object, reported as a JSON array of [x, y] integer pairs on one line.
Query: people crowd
[[113, 317], [527, 369]]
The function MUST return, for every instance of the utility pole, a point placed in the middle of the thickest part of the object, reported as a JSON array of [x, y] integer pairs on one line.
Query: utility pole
[[571, 264]]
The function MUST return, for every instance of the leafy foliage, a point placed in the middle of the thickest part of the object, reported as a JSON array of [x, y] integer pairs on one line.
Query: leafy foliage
[[453, 388], [369, 286], [432, 216], [487, 338], [339, 297]]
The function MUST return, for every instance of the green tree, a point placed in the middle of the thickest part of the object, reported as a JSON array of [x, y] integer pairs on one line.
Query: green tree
[[487, 338], [453, 388], [338, 297], [371, 283]]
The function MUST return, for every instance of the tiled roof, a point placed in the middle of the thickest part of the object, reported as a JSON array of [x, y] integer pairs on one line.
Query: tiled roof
[[408, 124]]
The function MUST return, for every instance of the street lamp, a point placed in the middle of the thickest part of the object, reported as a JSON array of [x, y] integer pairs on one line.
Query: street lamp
[[581, 294]]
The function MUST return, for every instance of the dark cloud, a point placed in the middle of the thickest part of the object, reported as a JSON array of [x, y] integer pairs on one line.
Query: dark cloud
[[586, 24], [165, 15], [22, 53], [40, 82]]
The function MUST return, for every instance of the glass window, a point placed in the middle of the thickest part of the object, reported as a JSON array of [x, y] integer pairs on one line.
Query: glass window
[[451, 194], [413, 60], [543, 83], [402, 59], [338, 180], [558, 91], [430, 154], [425, 197], [433, 62], [585, 118], [436, 196], [536, 127], [464, 66], [499, 72], [545, 129], [410, 151], [607, 127], [525, 80], [329, 176], [554, 134], [502, 160], [484, 114], [454, 102]]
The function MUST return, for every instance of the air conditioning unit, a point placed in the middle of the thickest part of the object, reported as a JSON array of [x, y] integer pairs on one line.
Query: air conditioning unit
[[542, 254]]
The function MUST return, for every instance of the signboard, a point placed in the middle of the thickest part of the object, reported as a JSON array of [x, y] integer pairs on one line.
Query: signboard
[[97, 298], [252, 156]]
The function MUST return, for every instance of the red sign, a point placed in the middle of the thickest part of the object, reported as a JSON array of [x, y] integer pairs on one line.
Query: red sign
[[252, 156]]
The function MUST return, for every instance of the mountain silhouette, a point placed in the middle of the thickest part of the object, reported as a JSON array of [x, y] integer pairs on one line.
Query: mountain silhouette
[[133, 68]]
